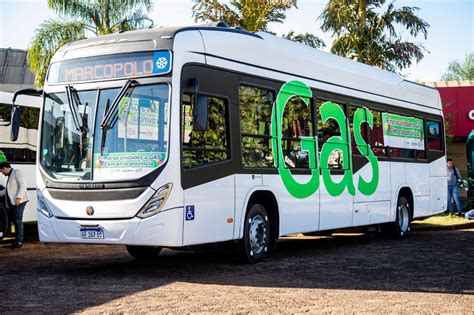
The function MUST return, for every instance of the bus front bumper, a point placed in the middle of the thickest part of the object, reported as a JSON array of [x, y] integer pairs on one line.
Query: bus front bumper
[[162, 229]]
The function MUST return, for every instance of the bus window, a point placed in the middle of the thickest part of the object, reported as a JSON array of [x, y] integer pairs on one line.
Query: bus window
[[327, 130], [297, 123], [433, 132], [376, 134], [420, 154], [356, 150], [208, 146], [402, 152], [24, 149], [255, 126]]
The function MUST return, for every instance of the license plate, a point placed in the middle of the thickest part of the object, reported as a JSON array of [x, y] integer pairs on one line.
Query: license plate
[[92, 233]]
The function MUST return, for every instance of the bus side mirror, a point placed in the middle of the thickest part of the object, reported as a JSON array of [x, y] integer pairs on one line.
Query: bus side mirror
[[200, 111], [200, 114], [15, 122], [15, 117]]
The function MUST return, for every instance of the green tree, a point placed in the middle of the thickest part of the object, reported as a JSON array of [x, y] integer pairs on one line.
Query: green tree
[[79, 18], [251, 15], [370, 31], [460, 71]]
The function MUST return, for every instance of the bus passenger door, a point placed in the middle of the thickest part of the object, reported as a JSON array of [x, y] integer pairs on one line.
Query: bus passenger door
[[207, 173]]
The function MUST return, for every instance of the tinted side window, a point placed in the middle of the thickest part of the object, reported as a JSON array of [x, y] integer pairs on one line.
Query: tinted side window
[[208, 146], [327, 130], [376, 134], [255, 125], [24, 149], [434, 135], [363, 131], [297, 123]]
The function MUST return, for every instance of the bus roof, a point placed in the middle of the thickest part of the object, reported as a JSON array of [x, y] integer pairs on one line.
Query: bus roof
[[267, 52]]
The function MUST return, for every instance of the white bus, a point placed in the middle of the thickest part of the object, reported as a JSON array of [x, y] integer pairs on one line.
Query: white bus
[[175, 137], [21, 153]]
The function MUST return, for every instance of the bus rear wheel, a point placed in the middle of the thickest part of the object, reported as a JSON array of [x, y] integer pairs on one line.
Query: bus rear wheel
[[143, 252], [401, 227], [3, 222], [253, 247]]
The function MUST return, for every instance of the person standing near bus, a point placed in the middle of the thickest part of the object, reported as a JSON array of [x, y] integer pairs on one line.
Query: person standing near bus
[[16, 198], [453, 177]]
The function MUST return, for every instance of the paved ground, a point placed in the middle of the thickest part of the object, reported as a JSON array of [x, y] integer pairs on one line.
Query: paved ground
[[432, 271]]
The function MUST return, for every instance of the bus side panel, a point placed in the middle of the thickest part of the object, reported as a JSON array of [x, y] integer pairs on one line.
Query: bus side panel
[[244, 185], [397, 179], [209, 212], [379, 211], [296, 215], [335, 211], [418, 179], [438, 186]]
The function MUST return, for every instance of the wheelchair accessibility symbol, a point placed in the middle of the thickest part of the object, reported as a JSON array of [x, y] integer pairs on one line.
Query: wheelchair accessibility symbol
[[189, 213]]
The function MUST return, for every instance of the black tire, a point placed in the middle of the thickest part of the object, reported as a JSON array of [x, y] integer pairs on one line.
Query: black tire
[[254, 245], [3, 222], [143, 252], [401, 227]]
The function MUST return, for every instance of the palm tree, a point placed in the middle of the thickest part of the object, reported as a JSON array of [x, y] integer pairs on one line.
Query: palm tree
[[79, 18], [366, 30], [251, 15], [460, 71]]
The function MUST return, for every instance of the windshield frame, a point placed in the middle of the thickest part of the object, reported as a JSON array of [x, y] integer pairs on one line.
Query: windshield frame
[[98, 86]]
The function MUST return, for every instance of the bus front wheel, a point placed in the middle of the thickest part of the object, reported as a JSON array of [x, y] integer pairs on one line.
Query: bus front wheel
[[254, 245], [143, 252]]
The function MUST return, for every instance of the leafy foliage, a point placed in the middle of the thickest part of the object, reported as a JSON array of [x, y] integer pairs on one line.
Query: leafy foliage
[[366, 32], [252, 15], [77, 17], [460, 71], [308, 39]]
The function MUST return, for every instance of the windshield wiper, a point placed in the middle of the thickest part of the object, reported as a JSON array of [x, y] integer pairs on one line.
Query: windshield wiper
[[110, 116], [72, 96], [111, 113]]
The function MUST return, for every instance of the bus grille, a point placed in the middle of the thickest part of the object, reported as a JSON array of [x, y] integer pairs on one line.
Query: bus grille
[[96, 195]]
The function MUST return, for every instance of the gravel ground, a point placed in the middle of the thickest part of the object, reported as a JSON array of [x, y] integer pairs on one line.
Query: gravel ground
[[432, 271]]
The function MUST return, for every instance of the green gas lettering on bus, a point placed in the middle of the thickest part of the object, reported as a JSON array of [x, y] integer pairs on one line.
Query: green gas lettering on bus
[[328, 111], [362, 115], [296, 189]]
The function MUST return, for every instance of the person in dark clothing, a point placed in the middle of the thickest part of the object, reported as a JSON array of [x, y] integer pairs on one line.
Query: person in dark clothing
[[16, 198]]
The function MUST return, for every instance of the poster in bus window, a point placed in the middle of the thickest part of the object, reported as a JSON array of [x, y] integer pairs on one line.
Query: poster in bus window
[[149, 120], [139, 118], [128, 118], [126, 164], [403, 132]]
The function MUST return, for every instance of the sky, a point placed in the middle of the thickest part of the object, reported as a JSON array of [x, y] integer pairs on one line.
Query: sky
[[450, 36]]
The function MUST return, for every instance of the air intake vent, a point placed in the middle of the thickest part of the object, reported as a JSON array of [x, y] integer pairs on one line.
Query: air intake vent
[[96, 195]]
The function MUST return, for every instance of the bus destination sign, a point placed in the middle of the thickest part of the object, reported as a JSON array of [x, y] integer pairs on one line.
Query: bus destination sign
[[111, 67]]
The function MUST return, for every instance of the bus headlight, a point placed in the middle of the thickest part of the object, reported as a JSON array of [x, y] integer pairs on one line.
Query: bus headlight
[[156, 203], [42, 207]]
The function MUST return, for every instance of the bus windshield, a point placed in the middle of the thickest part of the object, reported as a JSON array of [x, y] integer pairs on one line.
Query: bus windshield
[[132, 143]]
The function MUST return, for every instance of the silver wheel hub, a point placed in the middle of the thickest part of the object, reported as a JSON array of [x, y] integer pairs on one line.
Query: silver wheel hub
[[403, 217], [257, 234]]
